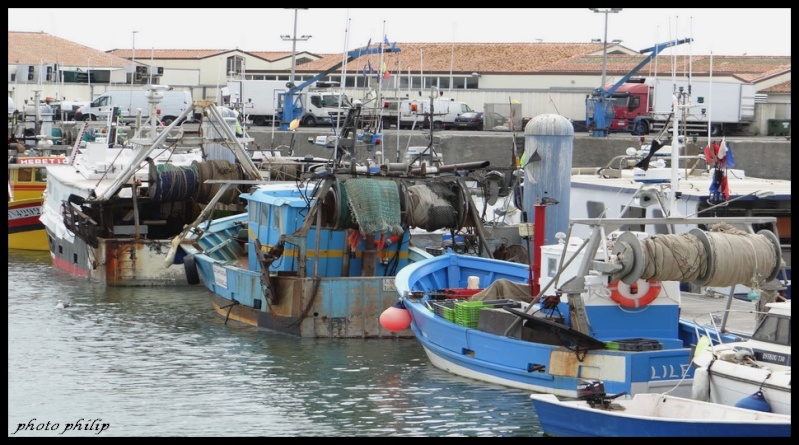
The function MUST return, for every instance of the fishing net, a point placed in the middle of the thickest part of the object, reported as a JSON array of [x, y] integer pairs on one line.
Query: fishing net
[[375, 204]]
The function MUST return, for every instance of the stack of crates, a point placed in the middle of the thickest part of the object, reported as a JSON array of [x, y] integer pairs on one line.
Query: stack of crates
[[467, 313]]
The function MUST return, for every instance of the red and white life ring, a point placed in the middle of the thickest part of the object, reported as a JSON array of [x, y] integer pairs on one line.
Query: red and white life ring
[[636, 295]]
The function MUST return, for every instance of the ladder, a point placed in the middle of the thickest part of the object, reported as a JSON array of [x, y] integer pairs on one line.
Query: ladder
[[78, 139]]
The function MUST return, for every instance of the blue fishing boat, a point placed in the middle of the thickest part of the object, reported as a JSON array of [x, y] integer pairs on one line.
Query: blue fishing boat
[[594, 325], [318, 258], [606, 306]]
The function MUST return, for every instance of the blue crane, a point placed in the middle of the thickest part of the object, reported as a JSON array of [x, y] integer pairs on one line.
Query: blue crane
[[291, 99], [599, 110]]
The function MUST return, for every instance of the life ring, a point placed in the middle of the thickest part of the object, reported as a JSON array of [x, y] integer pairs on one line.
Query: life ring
[[190, 267], [636, 295]]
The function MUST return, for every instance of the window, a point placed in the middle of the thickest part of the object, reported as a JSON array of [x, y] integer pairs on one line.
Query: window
[[235, 64], [41, 175], [24, 175]]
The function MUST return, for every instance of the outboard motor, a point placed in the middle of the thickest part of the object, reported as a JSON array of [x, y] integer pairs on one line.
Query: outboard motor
[[593, 392]]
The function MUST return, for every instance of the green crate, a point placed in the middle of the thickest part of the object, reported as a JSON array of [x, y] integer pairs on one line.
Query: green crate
[[467, 313], [445, 309]]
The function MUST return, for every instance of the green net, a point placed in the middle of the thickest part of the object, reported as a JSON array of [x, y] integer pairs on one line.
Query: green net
[[375, 204]]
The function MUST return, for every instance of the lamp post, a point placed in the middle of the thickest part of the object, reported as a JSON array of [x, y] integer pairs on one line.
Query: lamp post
[[605, 11], [294, 39], [133, 58]]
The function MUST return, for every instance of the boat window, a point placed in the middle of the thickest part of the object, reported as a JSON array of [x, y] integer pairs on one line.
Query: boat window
[[774, 329], [41, 175], [24, 175], [595, 209], [633, 212]]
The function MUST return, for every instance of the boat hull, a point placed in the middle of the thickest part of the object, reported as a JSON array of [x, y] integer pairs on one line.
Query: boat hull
[[304, 307], [25, 230], [118, 262], [655, 415], [730, 384]]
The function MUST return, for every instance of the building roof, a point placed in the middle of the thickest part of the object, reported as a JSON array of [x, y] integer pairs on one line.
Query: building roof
[[34, 48], [513, 58], [434, 58], [784, 87], [191, 54]]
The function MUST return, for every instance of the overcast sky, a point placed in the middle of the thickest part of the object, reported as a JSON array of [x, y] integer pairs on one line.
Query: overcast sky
[[726, 31]]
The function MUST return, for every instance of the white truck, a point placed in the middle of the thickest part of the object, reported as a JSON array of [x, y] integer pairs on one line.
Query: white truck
[[261, 102], [130, 102], [445, 110]]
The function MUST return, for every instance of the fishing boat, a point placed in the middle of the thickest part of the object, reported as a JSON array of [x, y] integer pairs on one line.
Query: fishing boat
[[318, 258], [112, 210], [708, 183], [606, 306], [27, 178], [651, 415], [753, 372]]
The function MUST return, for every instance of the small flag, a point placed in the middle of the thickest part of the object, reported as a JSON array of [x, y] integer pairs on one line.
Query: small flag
[[385, 40], [725, 153], [371, 70], [369, 43], [364, 71]]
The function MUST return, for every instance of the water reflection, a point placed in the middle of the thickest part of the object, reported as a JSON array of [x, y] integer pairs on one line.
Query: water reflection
[[159, 362]]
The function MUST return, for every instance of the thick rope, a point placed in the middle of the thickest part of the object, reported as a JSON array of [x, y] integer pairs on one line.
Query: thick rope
[[740, 257], [173, 183]]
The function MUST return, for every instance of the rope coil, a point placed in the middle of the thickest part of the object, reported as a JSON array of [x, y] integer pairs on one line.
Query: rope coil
[[725, 256]]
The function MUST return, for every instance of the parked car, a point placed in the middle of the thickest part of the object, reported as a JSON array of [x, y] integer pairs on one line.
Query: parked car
[[477, 120]]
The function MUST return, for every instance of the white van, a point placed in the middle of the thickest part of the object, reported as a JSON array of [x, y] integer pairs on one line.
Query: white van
[[129, 102], [445, 110]]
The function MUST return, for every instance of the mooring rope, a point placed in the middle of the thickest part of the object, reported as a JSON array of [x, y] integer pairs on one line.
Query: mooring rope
[[740, 257]]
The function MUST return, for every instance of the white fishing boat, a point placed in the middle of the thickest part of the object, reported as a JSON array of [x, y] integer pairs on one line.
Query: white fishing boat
[[112, 211], [753, 372], [705, 182]]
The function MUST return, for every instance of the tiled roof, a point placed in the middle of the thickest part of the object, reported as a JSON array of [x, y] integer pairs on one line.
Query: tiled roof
[[33, 48], [435, 58], [175, 54], [463, 57], [747, 68], [784, 87]]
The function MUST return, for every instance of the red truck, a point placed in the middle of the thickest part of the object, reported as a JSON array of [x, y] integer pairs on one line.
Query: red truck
[[642, 106]]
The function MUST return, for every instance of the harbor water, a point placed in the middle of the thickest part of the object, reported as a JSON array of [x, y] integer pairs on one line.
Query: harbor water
[[159, 362]]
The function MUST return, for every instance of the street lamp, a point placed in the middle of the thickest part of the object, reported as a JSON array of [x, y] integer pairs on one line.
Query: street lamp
[[294, 39], [133, 59], [605, 11]]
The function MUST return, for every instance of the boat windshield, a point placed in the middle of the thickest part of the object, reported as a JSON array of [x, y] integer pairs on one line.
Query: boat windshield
[[774, 329]]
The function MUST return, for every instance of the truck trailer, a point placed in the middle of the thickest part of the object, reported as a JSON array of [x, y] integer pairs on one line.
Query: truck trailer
[[642, 106]]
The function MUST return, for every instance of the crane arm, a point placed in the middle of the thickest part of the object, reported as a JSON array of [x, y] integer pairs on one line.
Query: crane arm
[[288, 114], [655, 50]]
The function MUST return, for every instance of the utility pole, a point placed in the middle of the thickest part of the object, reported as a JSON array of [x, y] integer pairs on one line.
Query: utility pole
[[133, 59], [605, 11], [294, 39]]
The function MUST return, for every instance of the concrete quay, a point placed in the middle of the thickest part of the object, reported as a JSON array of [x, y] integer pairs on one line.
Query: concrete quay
[[762, 157]]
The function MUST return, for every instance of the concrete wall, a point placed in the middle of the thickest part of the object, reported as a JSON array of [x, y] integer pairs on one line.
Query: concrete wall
[[764, 157]]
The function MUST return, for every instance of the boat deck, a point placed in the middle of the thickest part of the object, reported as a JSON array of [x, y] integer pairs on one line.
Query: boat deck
[[741, 318]]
